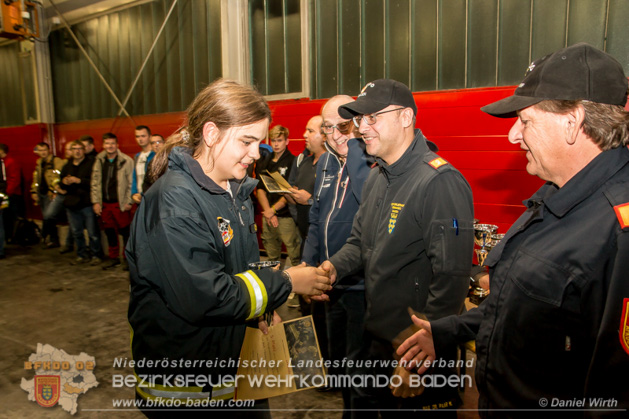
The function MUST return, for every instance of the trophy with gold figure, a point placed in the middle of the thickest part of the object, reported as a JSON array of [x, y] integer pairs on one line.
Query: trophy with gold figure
[[485, 238]]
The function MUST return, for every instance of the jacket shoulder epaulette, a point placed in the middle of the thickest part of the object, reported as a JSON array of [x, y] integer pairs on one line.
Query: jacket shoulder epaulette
[[618, 196], [436, 162]]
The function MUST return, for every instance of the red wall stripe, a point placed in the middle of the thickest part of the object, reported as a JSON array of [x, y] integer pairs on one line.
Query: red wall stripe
[[471, 140]]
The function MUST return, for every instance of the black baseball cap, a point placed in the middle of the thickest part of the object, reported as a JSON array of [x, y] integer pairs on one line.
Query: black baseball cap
[[376, 96], [579, 72]]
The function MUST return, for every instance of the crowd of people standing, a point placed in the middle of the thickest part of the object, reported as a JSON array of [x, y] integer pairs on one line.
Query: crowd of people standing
[[93, 192]]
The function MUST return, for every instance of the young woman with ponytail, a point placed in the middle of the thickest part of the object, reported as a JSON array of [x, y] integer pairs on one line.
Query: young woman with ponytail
[[192, 239]]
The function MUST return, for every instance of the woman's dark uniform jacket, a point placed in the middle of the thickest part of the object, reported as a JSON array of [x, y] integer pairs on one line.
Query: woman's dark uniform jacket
[[191, 292]]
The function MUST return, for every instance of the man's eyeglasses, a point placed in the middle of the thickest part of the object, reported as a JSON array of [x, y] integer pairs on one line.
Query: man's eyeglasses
[[76, 148], [341, 127], [371, 118], [156, 142]]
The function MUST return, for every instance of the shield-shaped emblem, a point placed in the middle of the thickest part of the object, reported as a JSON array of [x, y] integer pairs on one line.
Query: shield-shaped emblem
[[47, 389], [227, 234]]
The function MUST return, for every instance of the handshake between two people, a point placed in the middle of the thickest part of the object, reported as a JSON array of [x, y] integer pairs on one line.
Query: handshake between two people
[[414, 350], [312, 282], [308, 281]]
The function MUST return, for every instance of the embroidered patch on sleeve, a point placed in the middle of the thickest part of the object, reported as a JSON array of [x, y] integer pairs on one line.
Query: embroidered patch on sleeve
[[622, 212], [437, 163]]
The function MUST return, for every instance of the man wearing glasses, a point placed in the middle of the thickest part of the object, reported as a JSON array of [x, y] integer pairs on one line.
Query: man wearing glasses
[[412, 236], [75, 186], [157, 142], [341, 173]]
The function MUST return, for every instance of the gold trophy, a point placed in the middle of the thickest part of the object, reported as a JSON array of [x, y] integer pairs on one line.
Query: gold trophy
[[486, 238], [483, 238]]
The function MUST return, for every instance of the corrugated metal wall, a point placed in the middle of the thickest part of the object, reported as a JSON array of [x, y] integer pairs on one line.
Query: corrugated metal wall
[[187, 57], [452, 44], [275, 45], [427, 44], [11, 110]]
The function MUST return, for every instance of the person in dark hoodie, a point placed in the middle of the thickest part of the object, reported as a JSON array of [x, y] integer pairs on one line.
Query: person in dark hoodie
[[192, 292], [412, 236], [340, 176], [75, 186], [88, 142]]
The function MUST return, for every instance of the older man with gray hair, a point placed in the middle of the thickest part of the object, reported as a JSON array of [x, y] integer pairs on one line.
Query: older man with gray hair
[[554, 332]]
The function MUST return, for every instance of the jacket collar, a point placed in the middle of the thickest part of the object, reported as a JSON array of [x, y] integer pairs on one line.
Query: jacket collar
[[151, 154], [334, 152], [181, 159], [411, 157], [560, 201], [286, 155], [103, 156]]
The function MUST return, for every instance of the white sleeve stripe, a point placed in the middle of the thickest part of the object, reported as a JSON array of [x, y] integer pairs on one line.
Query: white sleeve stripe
[[257, 292]]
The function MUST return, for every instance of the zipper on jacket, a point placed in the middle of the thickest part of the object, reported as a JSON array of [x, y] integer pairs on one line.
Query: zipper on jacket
[[382, 205], [344, 186], [323, 172], [332, 208], [110, 170], [235, 209]]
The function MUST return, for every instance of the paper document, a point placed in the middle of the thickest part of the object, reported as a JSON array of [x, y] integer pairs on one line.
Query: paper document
[[275, 183], [285, 360]]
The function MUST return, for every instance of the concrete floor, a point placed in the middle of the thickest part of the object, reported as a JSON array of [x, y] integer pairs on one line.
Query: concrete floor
[[43, 299]]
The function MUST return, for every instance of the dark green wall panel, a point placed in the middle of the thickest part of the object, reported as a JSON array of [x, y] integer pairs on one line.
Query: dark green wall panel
[[481, 44], [185, 59], [452, 27], [293, 47], [428, 44], [513, 40], [11, 109], [373, 28], [424, 45], [327, 48], [618, 32], [549, 27], [257, 34], [275, 39], [349, 47], [398, 40], [593, 12]]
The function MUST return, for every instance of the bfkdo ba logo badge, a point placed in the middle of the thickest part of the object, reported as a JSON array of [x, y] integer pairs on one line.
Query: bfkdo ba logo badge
[[227, 234], [47, 389]]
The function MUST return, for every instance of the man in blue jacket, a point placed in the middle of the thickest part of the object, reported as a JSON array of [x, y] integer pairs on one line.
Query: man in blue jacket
[[141, 161], [341, 173]]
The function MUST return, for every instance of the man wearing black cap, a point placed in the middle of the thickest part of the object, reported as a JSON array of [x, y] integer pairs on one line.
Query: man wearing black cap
[[412, 235], [554, 332]]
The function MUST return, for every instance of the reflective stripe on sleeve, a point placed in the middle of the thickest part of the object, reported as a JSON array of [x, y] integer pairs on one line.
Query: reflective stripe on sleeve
[[257, 293]]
